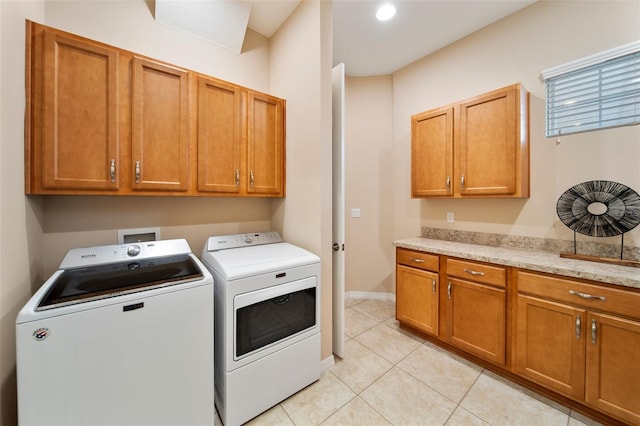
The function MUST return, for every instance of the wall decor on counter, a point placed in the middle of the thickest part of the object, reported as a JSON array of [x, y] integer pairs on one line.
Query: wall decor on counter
[[600, 208]]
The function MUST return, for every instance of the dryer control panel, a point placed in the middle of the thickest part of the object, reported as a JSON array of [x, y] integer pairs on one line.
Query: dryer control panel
[[225, 242]]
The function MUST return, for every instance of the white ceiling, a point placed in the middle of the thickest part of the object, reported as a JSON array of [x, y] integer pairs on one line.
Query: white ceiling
[[365, 45]]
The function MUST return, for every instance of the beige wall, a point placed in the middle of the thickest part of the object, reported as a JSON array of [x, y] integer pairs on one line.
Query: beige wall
[[301, 73], [20, 218], [35, 231], [517, 49], [369, 255]]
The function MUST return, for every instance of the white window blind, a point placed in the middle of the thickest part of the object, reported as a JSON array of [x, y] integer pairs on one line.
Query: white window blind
[[596, 92]]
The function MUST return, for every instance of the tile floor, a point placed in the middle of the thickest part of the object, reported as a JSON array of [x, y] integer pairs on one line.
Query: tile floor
[[390, 377]]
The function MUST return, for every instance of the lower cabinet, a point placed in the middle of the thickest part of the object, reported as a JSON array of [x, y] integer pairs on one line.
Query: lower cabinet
[[566, 343], [577, 339], [417, 290], [476, 319], [417, 299]]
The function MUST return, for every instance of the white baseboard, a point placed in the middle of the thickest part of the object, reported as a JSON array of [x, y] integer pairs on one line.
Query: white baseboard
[[327, 363], [385, 297]]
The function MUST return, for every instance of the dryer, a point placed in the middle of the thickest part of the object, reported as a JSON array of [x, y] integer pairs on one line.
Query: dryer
[[267, 321]]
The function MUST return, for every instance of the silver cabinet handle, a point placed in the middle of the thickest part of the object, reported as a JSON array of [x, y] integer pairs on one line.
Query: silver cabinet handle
[[416, 260], [448, 183], [578, 327], [237, 177], [433, 285], [472, 272], [449, 290], [587, 295], [594, 331], [112, 170], [462, 182], [251, 178], [137, 171]]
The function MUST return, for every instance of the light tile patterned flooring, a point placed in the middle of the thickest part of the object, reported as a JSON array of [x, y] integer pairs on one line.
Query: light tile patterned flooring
[[390, 377]]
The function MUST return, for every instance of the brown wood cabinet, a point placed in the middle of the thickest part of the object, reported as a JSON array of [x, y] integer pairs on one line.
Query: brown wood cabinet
[[265, 144], [475, 148], [102, 120], [76, 143], [159, 126], [417, 290], [574, 340], [221, 129], [580, 340], [476, 309]]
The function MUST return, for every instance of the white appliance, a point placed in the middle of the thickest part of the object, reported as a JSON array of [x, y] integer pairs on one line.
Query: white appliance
[[267, 321], [119, 335]]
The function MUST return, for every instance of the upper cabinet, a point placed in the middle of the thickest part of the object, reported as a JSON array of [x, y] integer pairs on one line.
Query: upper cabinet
[[159, 126], [475, 148], [265, 147], [74, 112], [102, 120]]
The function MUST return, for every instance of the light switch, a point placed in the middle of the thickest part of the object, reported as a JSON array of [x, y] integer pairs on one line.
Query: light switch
[[450, 217], [355, 212]]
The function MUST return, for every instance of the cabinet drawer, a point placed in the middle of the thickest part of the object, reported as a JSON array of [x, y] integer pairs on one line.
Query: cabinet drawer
[[418, 259], [577, 293], [494, 275]]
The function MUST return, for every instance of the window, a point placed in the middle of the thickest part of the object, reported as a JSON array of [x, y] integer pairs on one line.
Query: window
[[596, 92]]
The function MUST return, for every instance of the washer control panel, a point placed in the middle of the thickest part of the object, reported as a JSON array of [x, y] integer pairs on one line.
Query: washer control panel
[[225, 242], [82, 257]]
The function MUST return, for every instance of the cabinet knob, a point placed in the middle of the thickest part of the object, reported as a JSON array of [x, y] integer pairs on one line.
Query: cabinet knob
[[472, 272], [578, 327], [449, 290], [251, 179], [594, 331], [416, 260], [237, 177], [448, 183], [433, 285], [462, 182]]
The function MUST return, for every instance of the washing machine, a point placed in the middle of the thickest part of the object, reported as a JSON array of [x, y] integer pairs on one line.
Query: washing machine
[[267, 321], [119, 335]]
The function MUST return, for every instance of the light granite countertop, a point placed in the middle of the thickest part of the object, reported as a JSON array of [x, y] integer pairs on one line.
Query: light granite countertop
[[534, 260]]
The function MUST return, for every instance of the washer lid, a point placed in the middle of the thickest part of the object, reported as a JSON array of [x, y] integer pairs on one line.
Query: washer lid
[[244, 262], [83, 284]]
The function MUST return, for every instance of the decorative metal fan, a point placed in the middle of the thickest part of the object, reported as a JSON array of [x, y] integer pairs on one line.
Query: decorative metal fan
[[599, 208]]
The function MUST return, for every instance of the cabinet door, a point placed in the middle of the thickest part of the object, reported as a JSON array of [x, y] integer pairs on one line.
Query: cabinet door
[[549, 344], [265, 145], [476, 319], [417, 299], [220, 136], [432, 153], [160, 127], [79, 113], [613, 366], [487, 144]]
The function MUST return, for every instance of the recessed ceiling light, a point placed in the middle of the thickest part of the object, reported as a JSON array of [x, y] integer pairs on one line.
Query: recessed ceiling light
[[385, 12]]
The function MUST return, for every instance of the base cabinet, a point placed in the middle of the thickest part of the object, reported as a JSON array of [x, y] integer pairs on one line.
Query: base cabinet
[[476, 319], [417, 299], [579, 340], [613, 366], [550, 344], [417, 290]]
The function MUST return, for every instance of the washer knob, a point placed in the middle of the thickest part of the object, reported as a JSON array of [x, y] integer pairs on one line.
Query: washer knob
[[133, 250]]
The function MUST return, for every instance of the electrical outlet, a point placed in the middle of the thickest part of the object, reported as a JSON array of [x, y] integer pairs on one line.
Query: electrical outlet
[[450, 217], [355, 212]]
